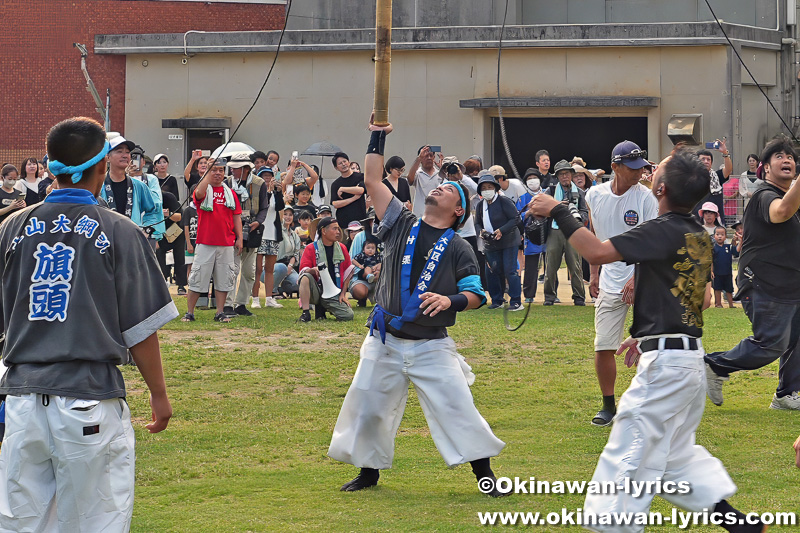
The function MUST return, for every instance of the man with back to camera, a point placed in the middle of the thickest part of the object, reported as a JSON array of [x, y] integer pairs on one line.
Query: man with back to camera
[[72, 307], [615, 207], [429, 274], [769, 282], [652, 440]]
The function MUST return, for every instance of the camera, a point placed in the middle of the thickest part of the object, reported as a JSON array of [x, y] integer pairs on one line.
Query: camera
[[452, 169], [488, 237], [713, 145]]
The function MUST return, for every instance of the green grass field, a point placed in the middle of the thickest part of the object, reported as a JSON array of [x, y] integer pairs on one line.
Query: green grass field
[[255, 402]]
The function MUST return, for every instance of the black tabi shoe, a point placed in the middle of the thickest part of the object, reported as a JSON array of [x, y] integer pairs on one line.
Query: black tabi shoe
[[368, 477], [603, 418]]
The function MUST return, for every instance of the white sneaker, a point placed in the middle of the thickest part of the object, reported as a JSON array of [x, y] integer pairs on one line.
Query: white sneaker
[[791, 401], [270, 302], [714, 385], [255, 303]]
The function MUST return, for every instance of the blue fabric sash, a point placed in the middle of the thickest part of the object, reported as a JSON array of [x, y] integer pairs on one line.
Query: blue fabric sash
[[410, 302]]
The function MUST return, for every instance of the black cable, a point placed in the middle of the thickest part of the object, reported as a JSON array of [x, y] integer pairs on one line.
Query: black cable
[[258, 96], [748, 71]]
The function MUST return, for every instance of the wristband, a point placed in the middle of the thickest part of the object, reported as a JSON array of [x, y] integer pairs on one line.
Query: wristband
[[458, 302], [376, 142], [567, 223]]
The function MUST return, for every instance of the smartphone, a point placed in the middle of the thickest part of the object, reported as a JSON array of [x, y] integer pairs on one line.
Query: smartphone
[[22, 195], [435, 149], [197, 153], [712, 145], [295, 154], [137, 161]]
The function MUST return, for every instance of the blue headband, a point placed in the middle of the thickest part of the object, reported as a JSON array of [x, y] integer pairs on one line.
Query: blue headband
[[58, 168], [461, 194]]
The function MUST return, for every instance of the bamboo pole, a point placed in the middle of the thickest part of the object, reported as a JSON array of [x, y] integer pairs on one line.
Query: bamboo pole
[[383, 60]]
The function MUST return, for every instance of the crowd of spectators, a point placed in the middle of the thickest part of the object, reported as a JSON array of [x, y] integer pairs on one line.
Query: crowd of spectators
[[246, 222]]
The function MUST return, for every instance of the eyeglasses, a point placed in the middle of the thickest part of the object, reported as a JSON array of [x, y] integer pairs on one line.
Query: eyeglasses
[[636, 154]]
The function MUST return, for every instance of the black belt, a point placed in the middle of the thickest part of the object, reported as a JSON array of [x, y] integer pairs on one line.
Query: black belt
[[670, 343]]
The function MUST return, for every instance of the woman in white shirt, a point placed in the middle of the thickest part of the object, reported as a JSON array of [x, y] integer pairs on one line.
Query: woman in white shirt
[[29, 180]]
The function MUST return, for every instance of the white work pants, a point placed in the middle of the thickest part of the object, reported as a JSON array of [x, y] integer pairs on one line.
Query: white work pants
[[374, 405], [654, 437], [66, 465], [245, 265]]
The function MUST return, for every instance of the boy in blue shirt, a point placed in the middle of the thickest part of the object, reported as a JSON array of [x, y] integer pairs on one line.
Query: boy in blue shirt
[[722, 271]]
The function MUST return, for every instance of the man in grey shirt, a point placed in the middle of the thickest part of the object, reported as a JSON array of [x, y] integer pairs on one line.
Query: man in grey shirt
[[80, 287]]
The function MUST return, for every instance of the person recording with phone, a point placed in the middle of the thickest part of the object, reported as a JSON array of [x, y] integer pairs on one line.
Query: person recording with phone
[[718, 177], [300, 173], [154, 222], [127, 196], [10, 198], [424, 175]]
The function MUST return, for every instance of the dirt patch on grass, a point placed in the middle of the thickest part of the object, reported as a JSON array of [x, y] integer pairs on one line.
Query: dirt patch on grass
[[248, 339]]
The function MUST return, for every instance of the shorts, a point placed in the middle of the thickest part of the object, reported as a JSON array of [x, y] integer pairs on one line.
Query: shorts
[[609, 321], [268, 247], [370, 286], [340, 310], [217, 260], [723, 282]]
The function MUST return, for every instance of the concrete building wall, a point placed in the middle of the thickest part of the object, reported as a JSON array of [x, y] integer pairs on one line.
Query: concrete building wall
[[327, 95], [331, 14]]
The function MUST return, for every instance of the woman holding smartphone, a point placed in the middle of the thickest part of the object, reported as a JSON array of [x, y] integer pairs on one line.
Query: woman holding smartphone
[[10, 198], [195, 169]]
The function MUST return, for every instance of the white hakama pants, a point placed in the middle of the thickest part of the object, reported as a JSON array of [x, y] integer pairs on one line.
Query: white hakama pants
[[373, 408], [654, 437]]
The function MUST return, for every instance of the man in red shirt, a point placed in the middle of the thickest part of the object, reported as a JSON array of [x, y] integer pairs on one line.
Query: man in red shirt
[[219, 231], [325, 265]]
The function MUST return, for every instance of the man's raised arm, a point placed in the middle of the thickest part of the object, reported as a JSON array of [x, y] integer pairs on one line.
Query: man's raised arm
[[373, 169]]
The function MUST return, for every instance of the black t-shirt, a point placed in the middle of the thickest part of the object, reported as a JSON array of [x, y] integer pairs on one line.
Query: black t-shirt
[[403, 192], [329, 257], [120, 191], [170, 185], [170, 202], [6, 199], [189, 219], [309, 207], [194, 179], [771, 251], [354, 211], [672, 254]]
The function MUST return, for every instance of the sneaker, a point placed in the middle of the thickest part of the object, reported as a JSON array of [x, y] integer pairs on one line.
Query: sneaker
[[541, 278], [714, 386], [547, 302], [496, 305], [603, 418], [255, 303], [361, 303], [228, 311], [515, 307], [269, 301], [370, 278], [557, 300], [242, 310], [528, 300], [181, 291], [306, 316], [580, 303], [790, 402]]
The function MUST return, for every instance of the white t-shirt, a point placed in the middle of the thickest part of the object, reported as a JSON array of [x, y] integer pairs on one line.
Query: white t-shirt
[[424, 183], [613, 215], [515, 190]]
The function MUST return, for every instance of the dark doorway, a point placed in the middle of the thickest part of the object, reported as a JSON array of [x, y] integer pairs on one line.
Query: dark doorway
[[203, 140], [592, 138]]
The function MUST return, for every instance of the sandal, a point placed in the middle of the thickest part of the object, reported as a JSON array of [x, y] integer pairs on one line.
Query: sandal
[[222, 317], [188, 317]]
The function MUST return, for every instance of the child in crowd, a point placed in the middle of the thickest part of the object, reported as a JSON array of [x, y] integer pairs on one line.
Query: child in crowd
[[304, 219], [722, 272], [738, 233], [302, 198], [10, 198], [710, 215], [369, 261]]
